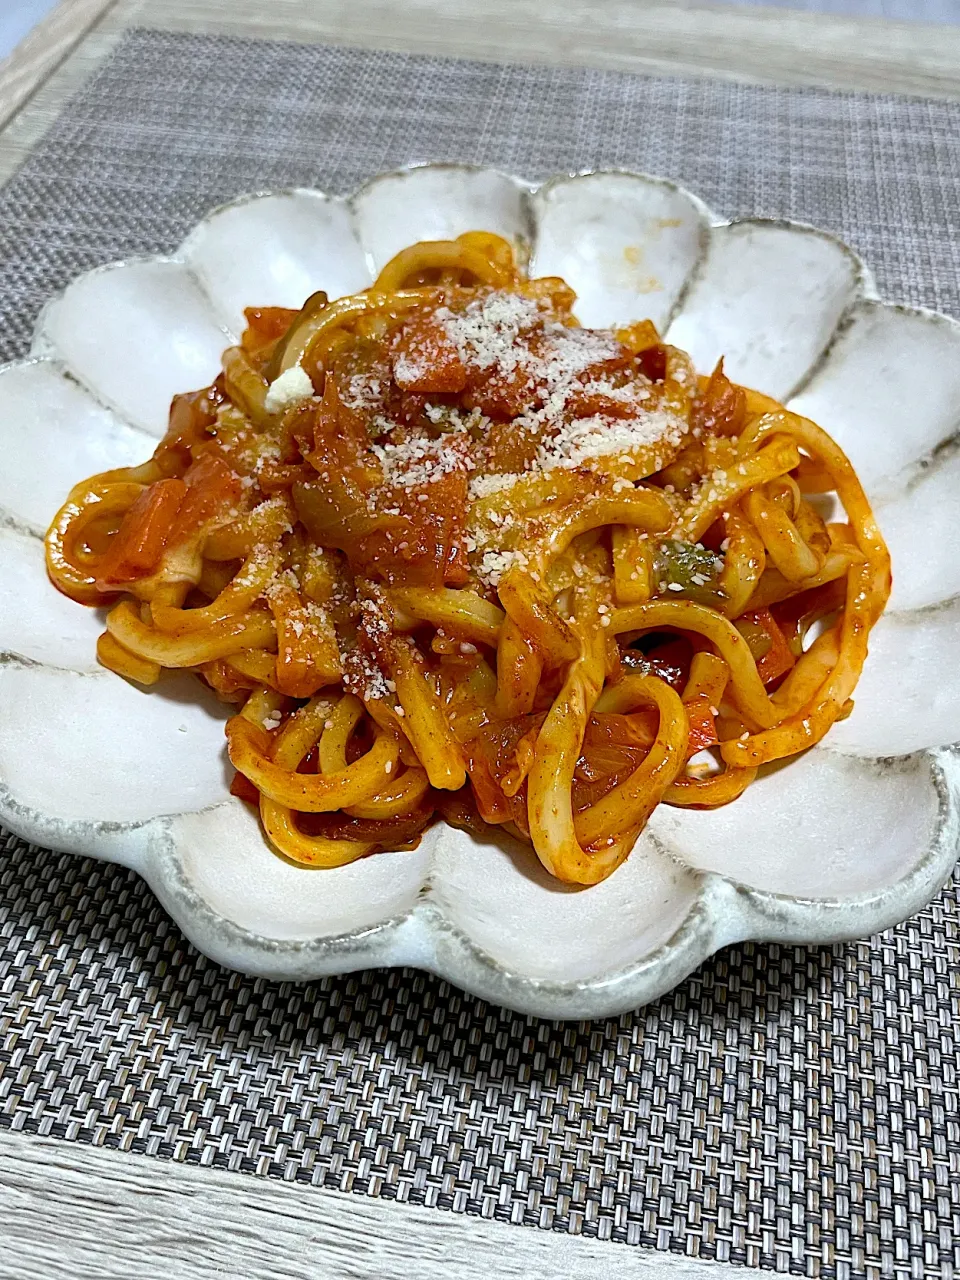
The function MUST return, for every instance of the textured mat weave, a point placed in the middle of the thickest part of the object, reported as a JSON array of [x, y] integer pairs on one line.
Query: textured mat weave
[[783, 1108]]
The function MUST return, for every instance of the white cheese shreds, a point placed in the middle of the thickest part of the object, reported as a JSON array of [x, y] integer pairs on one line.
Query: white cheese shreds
[[456, 421], [632, 393], [376, 685], [419, 461], [577, 442], [291, 388], [486, 333], [576, 411], [569, 353], [362, 391], [484, 486], [494, 564], [407, 371], [362, 676], [578, 405], [490, 336]]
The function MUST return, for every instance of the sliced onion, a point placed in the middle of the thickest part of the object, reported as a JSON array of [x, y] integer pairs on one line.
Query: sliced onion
[[291, 349], [245, 386]]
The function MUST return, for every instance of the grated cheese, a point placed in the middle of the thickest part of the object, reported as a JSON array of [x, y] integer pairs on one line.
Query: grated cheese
[[455, 420], [485, 334], [362, 391], [485, 486], [494, 564], [555, 369], [597, 437], [419, 461], [291, 388], [407, 371]]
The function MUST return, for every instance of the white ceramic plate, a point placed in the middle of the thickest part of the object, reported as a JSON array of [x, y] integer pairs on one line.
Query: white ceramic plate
[[853, 837]]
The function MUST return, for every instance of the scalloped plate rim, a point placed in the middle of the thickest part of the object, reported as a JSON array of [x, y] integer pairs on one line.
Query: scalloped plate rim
[[751, 915]]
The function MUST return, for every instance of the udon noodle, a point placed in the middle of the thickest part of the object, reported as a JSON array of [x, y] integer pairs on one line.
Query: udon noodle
[[449, 553]]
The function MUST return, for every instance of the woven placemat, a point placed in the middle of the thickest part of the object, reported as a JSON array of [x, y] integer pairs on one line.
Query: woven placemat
[[788, 1108]]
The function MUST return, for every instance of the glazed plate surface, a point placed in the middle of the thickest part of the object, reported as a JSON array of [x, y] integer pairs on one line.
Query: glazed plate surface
[[854, 836]]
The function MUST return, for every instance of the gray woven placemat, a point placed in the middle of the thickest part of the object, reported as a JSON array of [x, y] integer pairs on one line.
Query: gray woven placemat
[[786, 1108]]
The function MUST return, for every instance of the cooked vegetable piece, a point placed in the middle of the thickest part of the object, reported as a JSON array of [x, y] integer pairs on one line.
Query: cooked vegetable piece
[[137, 546], [425, 359], [703, 724], [689, 570], [768, 645], [721, 406]]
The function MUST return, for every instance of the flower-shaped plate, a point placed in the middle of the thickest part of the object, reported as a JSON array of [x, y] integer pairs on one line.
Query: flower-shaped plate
[[852, 837]]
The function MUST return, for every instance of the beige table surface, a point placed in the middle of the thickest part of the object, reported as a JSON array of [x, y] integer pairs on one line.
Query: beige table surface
[[74, 1211]]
